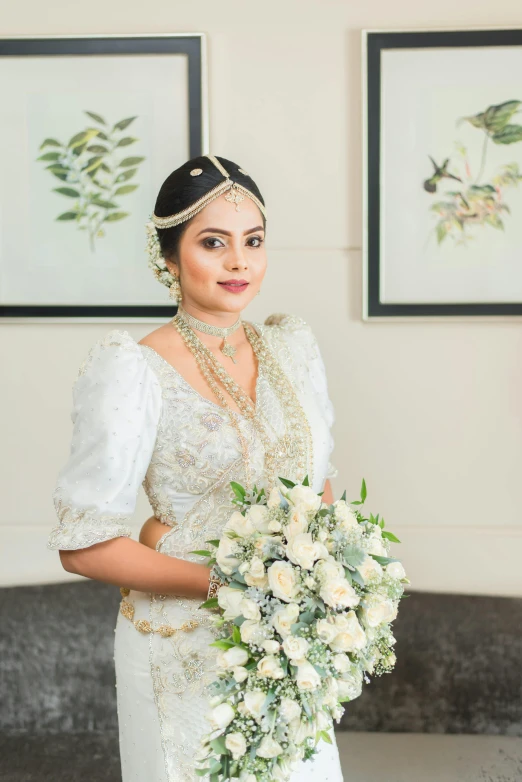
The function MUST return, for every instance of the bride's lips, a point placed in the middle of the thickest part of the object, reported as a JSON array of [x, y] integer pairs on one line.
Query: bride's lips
[[234, 286]]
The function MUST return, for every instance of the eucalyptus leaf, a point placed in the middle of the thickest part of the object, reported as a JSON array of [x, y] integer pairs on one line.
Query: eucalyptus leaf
[[353, 555], [356, 576]]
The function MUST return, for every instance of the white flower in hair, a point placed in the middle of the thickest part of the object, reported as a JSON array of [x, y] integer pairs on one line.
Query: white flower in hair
[[156, 260]]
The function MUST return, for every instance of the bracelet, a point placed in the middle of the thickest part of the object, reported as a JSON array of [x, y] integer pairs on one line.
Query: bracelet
[[215, 583]]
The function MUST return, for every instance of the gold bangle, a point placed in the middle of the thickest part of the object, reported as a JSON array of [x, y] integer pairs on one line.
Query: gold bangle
[[215, 582]]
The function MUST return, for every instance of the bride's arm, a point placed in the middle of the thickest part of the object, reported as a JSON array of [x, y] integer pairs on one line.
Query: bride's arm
[[125, 562]]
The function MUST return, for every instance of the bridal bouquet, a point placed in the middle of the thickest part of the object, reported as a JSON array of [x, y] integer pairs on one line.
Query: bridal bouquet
[[304, 618]]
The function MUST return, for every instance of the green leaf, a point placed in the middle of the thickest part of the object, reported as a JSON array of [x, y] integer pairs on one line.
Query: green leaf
[[495, 221], [50, 156], [495, 118], [287, 483], [50, 142], [124, 123], [67, 191], [347, 574], [356, 502], [104, 204], [127, 141], [98, 148], [343, 496], [67, 216], [306, 482], [124, 189], [390, 536], [238, 490], [323, 734], [116, 216], [363, 491], [96, 117], [356, 576], [212, 602], [353, 555], [384, 560], [202, 552], [218, 745], [215, 766], [213, 543], [222, 644], [508, 135], [268, 700], [126, 175], [131, 161], [236, 635], [82, 138], [202, 772]]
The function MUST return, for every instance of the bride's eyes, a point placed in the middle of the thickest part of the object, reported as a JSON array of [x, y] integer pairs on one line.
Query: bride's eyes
[[258, 239]]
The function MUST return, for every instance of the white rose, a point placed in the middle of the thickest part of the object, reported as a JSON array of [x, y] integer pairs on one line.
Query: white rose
[[330, 568], [289, 710], [225, 555], [240, 673], [296, 524], [376, 614], [349, 687], [281, 771], [254, 700], [258, 515], [234, 656], [395, 570], [374, 545], [370, 570], [322, 535], [269, 667], [295, 647], [248, 608], [282, 579], [270, 646], [341, 663], [310, 582], [256, 574], [274, 526], [326, 630], [321, 552], [301, 550], [345, 514], [221, 716], [350, 637], [269, 748], [304, 498], [236, 743], [240, 524], [300, 730], [230, 600], [338, 593], [307, 677], [322, 721], [284, 618], [251, 632]]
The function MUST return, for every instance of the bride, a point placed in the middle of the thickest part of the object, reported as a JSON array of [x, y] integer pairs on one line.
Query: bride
[[205, 399]]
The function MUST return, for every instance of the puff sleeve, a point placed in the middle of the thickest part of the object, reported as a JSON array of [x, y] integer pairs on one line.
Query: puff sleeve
[[116, 408], [304, 342]]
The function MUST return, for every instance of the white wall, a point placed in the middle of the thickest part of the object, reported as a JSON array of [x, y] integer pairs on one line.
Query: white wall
[[429, 413]]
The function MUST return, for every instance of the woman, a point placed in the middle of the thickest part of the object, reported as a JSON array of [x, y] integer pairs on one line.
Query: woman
[[203, 400]]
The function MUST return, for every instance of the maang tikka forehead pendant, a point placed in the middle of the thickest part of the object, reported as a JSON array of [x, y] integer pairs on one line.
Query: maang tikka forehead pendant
[[234, 196]]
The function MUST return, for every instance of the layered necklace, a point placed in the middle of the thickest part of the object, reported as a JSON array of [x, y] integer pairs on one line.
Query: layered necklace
[[288, 455]]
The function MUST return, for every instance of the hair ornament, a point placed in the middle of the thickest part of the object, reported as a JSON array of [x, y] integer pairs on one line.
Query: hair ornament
[[156, 260]]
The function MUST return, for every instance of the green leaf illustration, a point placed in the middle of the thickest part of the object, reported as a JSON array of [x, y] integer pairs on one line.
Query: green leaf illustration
[[131, 161], [125, 142], [124, 123], [50, 156], [50, 142], [67, 191], [81, 138], [99, 148], [116, 216], [67, 216], [96, 117], [126, 175], [124, 189], [495, 118], [510, 134]]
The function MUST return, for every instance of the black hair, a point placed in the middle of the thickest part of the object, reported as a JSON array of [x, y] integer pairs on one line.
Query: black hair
[[180, 190]]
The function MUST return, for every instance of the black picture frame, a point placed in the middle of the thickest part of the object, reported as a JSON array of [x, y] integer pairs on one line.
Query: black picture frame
[[193, 46], [373, 45]]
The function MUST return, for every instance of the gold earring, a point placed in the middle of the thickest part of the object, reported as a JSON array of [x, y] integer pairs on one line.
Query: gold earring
[[175, 290]]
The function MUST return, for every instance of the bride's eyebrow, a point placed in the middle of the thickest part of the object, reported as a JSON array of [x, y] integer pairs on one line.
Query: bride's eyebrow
[[228, 233]]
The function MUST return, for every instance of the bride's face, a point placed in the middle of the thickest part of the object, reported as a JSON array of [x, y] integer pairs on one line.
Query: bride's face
[[222, 245]]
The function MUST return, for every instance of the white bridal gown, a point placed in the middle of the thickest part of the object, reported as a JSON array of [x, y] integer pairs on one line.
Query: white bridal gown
[[137, 421]]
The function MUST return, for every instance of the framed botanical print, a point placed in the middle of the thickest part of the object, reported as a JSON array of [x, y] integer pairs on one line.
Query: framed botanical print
[[443, 173], [90, 129]]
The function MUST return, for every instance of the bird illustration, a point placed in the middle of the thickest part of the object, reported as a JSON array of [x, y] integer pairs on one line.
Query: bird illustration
[[441, 172]]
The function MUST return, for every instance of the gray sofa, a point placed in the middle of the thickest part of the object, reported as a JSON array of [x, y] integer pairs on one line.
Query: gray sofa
[[458, 671]]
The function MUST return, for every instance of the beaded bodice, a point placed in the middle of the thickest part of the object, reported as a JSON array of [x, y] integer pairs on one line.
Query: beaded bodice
[[137, 420]]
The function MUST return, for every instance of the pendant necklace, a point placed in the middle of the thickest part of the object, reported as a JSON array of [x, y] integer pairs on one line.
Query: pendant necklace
[[199, 325]]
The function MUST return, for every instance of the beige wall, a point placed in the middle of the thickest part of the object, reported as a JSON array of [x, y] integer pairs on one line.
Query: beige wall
[[429, 413]]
